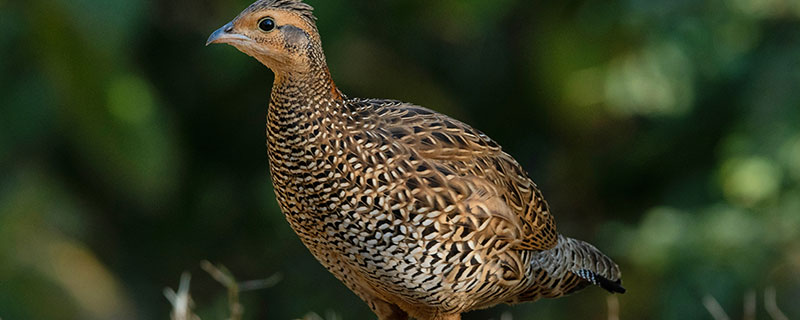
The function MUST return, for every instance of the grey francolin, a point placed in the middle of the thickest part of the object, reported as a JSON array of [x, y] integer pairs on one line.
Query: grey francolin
[[417, 213]]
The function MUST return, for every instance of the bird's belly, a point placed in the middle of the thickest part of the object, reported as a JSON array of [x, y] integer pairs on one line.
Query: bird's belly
[[368, 248], [362, 239]]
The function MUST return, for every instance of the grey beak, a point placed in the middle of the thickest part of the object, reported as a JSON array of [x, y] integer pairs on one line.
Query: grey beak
[[221, 34]]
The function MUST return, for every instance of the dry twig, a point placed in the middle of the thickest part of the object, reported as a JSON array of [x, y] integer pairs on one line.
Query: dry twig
[[713, 307], [224, 276], [181, 301], [749, 306], [330, 315], [771, 305], [613, 307]]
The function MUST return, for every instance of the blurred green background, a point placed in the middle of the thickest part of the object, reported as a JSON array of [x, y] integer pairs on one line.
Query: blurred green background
[[666, 132]]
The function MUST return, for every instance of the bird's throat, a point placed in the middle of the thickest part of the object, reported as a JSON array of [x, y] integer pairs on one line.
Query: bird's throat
[[301, 112]]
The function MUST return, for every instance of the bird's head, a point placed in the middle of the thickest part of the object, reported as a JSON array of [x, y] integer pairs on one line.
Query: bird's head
[[281, 34]]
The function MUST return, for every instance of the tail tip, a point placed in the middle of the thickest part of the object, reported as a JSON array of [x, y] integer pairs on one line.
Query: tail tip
[[602, 282], [611, 286]]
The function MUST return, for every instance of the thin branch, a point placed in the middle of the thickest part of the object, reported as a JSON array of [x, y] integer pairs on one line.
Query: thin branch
[[331, 315], [613, 307], [713, 307], [311, 316], [749, 306], [224, 276], [181, 301], [260, 283], [771, 305]]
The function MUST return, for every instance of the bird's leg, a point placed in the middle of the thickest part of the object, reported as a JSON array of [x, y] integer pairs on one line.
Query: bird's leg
[[387, 311], [456, 316]]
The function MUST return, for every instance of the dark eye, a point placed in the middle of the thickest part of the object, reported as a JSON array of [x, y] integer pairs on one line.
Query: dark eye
[[266, 24]]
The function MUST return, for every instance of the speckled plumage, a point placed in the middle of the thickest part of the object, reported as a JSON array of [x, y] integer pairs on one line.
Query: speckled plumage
[[417, 213]]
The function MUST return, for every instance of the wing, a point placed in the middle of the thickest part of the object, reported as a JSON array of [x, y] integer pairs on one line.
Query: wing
[[452, 153]]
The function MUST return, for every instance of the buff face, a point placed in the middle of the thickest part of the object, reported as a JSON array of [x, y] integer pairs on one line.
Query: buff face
[[280, 39]]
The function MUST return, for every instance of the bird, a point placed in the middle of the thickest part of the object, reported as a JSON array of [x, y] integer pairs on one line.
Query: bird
[[420, 215]]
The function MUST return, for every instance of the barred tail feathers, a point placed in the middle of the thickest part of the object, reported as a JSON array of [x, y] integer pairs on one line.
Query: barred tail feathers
[[568, 267]]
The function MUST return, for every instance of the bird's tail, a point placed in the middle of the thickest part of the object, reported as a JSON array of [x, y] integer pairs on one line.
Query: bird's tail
[[568, 267]]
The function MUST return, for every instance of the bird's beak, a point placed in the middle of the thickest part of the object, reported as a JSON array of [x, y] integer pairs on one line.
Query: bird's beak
[[225, 34]]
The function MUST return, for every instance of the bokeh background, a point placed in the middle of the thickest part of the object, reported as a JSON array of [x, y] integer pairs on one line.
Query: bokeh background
[[666, 132]]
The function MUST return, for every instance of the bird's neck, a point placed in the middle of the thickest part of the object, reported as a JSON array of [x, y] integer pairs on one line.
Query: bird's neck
[[302, 110], [313, 84], [302, 97], [298, 90]]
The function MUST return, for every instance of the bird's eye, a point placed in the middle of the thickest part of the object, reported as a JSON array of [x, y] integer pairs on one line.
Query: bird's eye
[[266, 24]]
